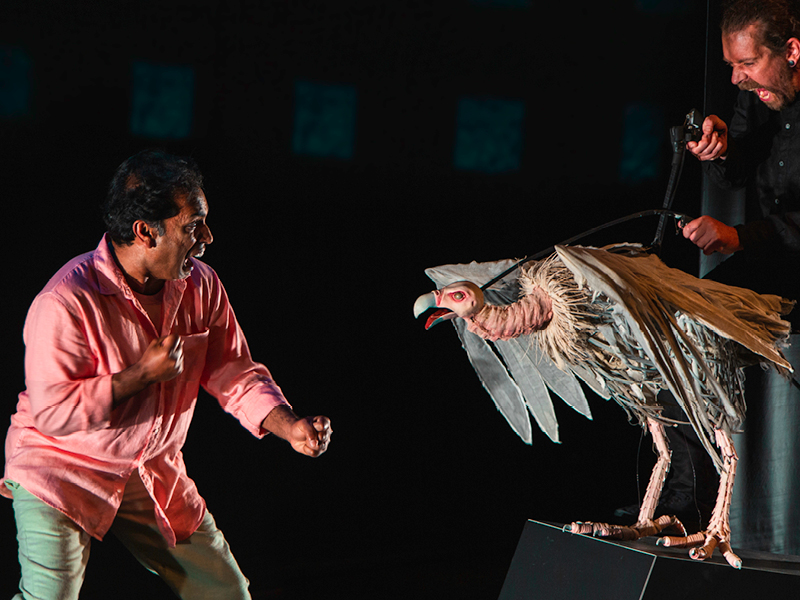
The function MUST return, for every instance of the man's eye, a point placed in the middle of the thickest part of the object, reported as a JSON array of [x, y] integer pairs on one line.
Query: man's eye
[[459, 296]]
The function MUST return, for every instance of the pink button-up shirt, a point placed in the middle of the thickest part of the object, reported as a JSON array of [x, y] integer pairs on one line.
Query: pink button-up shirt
[[69, 448]]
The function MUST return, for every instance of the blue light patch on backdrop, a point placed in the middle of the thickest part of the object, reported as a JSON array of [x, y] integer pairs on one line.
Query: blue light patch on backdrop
[[644, 137], [15, 82], [489, 135], [162, 100], [324, 119]]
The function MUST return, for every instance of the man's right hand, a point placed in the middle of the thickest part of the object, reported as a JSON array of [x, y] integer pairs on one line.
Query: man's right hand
[[714, 142], [161, 361]]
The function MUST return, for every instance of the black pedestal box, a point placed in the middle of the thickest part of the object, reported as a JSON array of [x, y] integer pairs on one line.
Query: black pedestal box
[[550, 564]]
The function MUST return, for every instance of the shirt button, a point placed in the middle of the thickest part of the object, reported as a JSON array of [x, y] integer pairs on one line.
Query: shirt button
[[788, 126], [777, 201], [781, 163]]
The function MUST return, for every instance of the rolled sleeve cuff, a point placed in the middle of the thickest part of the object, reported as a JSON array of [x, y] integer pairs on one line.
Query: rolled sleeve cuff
[[256, 407]]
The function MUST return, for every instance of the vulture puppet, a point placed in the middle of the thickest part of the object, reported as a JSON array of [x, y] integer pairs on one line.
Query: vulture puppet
[[628, 326]]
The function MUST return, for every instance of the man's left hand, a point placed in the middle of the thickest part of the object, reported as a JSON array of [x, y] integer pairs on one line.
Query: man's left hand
[[307, 435], [310, 435]]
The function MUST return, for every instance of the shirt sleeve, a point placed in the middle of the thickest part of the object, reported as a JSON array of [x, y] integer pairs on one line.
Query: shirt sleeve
[[738, 166], [243, 387], [774, 233], [64, 391]]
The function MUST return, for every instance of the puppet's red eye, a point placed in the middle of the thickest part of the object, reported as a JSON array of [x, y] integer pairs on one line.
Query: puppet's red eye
[[458, 296]]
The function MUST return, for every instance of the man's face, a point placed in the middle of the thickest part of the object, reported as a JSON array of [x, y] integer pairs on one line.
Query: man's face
[[185, 236], [757, 69]]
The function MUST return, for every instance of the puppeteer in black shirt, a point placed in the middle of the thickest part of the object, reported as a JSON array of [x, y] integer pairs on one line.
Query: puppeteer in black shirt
[[764, 157]]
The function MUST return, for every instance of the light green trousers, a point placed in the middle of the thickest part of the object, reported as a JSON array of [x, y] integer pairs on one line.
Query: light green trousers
[[54, 551]]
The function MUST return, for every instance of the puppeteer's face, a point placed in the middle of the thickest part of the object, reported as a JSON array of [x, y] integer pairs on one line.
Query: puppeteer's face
[[757, 69], [185, 236]]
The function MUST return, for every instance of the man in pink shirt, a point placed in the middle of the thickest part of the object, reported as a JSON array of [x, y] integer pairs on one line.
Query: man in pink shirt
[[118, 344]]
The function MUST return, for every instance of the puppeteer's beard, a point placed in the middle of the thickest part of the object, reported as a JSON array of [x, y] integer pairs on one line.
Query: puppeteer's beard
[[777, 97]]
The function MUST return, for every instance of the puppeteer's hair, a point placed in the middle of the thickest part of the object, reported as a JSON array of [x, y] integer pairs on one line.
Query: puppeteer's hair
[[779, 20], [145, 187]]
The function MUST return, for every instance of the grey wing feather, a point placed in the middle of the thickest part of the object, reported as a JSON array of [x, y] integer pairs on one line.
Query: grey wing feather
[[537, 398], [478, 273], [563, 384], [495, 378], [589, 378]]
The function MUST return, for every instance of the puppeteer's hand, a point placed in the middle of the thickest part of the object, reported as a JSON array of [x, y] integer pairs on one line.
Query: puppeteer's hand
[[161, 361], [714, 142], [712, 236]]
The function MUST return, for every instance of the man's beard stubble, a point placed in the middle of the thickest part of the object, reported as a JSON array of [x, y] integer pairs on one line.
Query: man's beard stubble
[[781, 95]]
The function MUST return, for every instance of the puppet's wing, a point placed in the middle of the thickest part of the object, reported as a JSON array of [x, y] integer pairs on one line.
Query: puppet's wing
[[671, 313], [515, 373]]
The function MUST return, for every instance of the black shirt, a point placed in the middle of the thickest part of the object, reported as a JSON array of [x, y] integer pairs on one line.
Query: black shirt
[[764, 157]]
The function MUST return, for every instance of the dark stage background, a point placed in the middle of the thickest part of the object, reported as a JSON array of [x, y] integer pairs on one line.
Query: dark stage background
[[425, 489]]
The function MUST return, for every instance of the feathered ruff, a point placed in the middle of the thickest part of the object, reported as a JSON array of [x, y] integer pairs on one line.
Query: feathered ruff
[[585, 330]]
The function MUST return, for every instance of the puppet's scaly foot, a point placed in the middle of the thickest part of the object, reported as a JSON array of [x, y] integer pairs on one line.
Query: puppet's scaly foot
[[718, 533], [702, 545], [627, 533]]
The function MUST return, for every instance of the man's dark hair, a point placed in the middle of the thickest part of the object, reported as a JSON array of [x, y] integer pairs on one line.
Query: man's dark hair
[[146, 186], [779, 20]]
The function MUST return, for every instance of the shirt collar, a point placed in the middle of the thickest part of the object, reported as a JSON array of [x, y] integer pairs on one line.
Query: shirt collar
[[110, 277]]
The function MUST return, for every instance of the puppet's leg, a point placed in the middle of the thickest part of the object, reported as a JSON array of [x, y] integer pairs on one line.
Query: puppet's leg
[[645, 524], [702, 544]]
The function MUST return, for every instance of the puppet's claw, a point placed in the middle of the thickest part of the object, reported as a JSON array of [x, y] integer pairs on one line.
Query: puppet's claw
[[702, 545], [636, 531], [718, 533]]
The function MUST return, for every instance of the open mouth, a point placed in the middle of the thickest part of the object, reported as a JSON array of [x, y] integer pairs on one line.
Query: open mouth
[[429, 303], [763, 94], [193, 253], [438, 315]]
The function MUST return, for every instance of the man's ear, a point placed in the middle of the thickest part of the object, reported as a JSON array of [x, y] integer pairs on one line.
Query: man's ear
[[145, 234], [793, 51]]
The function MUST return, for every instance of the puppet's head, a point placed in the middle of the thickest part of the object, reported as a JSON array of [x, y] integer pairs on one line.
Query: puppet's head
[[460, 299]]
